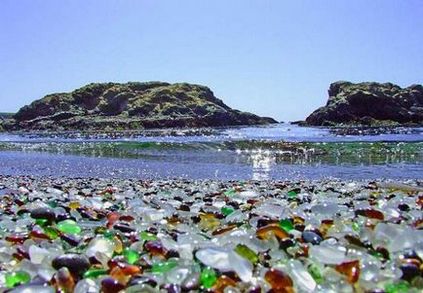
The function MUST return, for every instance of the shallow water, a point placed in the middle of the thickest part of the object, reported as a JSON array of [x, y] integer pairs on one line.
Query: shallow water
[[275, 152]]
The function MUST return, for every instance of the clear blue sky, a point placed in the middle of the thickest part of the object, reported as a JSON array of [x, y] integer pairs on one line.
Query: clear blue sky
[[274, 58]]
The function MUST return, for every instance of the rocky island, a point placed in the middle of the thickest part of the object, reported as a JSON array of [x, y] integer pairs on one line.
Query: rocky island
[[370, 104], [130, 106]]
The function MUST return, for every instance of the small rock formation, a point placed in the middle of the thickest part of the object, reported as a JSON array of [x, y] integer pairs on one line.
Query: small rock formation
[[3, 119], [370, 103], [132, 105]]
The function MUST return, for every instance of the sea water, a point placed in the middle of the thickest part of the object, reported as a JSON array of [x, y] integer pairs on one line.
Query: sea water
[[280, 151]]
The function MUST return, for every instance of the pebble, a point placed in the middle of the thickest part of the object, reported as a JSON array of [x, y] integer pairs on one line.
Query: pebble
[[43, 213], [76, 263], [311, 237]]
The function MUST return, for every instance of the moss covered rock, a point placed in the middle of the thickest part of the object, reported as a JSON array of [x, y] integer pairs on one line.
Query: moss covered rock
[[370, 103], [131, 105]]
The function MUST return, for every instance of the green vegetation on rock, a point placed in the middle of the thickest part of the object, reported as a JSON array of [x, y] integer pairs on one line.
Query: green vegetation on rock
[[132, 105]]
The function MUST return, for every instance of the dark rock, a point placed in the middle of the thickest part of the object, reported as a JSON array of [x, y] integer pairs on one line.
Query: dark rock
[[43, 213], [409, 272], [138, 280], [133, 105], [370, 104], [76, 263], [311, 237], [123, 227], [73, 240], [110, 285]]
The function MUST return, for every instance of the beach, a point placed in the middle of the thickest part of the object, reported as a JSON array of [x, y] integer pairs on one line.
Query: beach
[[180, 235]]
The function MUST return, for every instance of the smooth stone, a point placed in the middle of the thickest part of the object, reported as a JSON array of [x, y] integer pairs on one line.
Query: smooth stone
[[76, 263], [326, 208], [301, 276], [139, 280], [100, 245], [124, 228], [43, 213], [409, 272], [311, 237], [37, 254], [243, 267], [86, 286], [23, 190], [327, 254], [110, 285], [217, 258]]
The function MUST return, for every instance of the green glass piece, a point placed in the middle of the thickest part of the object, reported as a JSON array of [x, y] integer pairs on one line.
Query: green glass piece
[[355, 227], [315, 273], [226, 211], [400, 287], [52, 203], [51, 233], [108, 234], [163, 267], [292, 194], [246, 252], [146, 236], [69, 227], [377, 254], [286, 224], [131, 255], [94, 273], [41, 222], [208, 277], [17, 278], [230, 192]]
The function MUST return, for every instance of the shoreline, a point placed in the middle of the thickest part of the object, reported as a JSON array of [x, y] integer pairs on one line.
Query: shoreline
[[190, 235]]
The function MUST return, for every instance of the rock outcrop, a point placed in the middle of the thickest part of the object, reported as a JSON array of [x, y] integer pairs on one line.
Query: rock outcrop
[[370, 103], [132, 105]]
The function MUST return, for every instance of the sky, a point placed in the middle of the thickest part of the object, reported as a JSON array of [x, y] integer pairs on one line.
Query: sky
[[270, 57]]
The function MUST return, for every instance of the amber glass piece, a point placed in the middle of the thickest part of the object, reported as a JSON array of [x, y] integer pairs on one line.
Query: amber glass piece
[[418, 224], [224, 230], [118, 245], [119, 275], [264, 232], [278, 280], [208, 222], [74, 205], [64, 280], [370, 213], [303, 251], [350, 269], [112, 218], [413, 261], [325, 226], [297, 220], [128, 269], [223, 282], [419, 201], [173, 220]]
